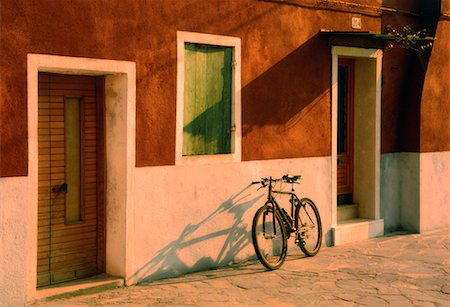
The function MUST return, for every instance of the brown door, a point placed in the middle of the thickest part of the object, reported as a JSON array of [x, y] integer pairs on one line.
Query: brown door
[[345, 131], [70, 210]]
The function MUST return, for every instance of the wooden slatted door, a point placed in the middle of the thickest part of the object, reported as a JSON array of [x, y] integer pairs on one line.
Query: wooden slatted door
[[70, 211], [345, 131]]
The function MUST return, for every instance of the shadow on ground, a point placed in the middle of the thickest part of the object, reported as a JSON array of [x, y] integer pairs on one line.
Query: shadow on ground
[[248, 267]]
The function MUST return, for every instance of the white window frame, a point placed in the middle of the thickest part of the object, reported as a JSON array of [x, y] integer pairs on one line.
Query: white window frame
[[217, 40]]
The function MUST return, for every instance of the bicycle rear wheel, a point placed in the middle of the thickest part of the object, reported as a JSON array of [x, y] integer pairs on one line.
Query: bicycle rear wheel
[[309, 233], [270, 242]]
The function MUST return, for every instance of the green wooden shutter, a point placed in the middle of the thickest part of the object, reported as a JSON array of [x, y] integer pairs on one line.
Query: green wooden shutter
[[207, 99]]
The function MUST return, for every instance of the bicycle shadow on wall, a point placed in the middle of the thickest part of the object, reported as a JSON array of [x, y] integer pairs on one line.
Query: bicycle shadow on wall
[[168, 262]]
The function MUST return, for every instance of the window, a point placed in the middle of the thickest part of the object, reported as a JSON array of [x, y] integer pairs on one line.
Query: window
[[207, 99], [208, 105]]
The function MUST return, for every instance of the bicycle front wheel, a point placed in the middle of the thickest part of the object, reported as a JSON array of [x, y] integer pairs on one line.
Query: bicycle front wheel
[[269, 239], [309, 233]]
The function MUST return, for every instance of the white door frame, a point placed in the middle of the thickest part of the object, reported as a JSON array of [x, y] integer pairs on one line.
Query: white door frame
[[369, 179], [120, 136]]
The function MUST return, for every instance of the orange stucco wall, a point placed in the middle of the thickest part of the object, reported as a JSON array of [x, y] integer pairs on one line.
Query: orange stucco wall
[[285, 67], [435, 107], [400, 111]]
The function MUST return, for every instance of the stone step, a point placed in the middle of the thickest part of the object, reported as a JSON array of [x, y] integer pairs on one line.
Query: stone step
[[83, 286], [347, 212], [357, 230]]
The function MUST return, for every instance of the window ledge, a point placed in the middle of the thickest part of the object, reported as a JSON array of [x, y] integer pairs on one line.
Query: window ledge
[[208, 159]]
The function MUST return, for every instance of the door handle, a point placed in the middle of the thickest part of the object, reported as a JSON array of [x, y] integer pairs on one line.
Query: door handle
[[60, 188]]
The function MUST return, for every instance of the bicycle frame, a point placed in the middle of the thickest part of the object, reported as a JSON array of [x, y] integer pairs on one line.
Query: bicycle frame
[[291, 222]]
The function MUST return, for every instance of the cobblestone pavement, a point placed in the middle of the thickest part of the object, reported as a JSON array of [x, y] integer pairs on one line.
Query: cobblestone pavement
[[397, 270]]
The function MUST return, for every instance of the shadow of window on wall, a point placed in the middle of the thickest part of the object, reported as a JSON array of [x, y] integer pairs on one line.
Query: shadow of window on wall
[[289, 105]]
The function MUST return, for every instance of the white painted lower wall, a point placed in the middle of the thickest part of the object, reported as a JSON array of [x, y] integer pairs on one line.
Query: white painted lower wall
[[190, 218], [415, 191], [16, 240], [179, 219], [434, 190], [196, 217], [400, 180]]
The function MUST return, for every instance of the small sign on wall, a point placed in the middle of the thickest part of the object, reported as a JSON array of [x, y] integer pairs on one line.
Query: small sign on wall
[[356, 22]]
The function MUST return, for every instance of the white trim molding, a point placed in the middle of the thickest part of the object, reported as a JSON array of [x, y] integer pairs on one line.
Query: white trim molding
[[368, 65], [217, 40], [120, 136]]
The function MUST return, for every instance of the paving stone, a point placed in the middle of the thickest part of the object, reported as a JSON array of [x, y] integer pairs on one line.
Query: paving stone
[[290, 290], [371, 301], [413, 271], [438, 294], [387, 277], [423, 304], [341, 303], [396, 300], [348, 284], [424, 297], [431, 283], [445, 289], [399, 270], [349, 296], [218, 298], [278, 301]]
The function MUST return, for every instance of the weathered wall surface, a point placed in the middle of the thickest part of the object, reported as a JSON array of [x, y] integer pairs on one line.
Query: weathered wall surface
[[403, 73], [220, 203], [435, 131], [435, 107], [15, 264], [402, 189], [434, 190], [286, 114], [416, 127], [445, 5], [285, 70], [277, 40]]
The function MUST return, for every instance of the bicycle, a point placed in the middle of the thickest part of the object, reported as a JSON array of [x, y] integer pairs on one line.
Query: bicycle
[[273, 226]]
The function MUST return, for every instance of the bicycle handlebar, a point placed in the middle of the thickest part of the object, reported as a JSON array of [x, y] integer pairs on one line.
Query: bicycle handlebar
[[291, 179], [287, 178], [263, 181]]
